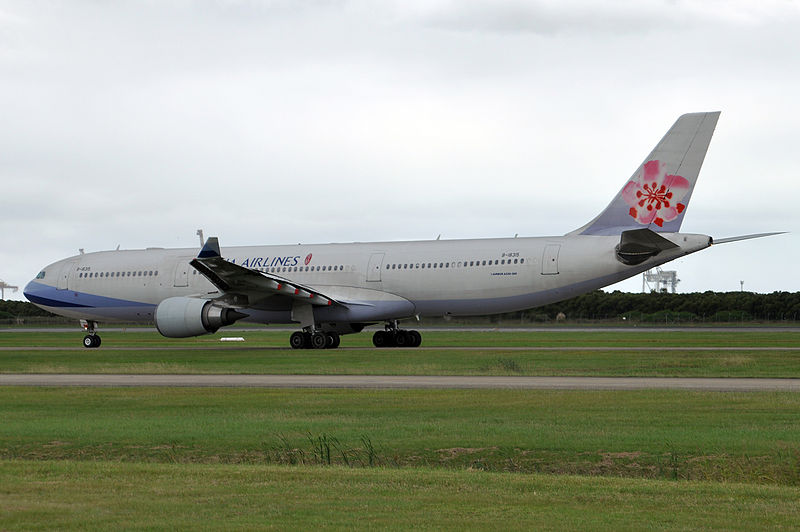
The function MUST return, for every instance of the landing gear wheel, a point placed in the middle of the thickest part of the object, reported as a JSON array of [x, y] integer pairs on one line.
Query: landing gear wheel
[[415, 338], [91, 341], [401, 339], [394, 337], [319, 340], [297, 340], [380, 339], [333, 340]]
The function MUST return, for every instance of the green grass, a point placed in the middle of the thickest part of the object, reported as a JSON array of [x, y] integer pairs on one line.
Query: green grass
[[78, 458], [741, 437], [108, 495], [485, 353]]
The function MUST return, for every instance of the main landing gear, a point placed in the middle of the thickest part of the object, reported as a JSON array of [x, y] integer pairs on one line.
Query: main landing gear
[[314, 340], [92, 339], [394, 337]]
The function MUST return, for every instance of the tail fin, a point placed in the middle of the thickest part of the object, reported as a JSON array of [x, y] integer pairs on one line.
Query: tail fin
[[657, 194]]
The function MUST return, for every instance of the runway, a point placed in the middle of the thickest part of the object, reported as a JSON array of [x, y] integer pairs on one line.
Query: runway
[[405, 382]]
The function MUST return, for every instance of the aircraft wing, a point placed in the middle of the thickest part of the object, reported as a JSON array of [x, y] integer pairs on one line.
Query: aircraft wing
[[244, 286]]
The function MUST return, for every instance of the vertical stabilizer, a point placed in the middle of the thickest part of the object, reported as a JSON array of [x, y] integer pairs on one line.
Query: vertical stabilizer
[[657, 194]]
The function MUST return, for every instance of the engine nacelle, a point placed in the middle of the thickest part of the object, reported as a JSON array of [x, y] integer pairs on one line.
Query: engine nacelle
[[182, 317]]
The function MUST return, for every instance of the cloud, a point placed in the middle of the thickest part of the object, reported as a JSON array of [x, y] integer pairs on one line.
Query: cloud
[[548, 18]]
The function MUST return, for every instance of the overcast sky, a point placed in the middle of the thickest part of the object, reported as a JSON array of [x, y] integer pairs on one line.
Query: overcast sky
[[136, 123]]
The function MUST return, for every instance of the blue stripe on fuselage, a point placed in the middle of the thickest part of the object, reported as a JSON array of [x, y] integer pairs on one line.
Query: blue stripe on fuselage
[[50, 296]]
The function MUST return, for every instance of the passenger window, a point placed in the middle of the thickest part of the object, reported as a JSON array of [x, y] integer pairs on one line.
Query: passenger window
[[515, 261], [521, 261]]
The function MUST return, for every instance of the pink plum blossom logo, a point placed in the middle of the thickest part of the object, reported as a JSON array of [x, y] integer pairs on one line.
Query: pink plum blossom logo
[[654, 196], [308, 259]]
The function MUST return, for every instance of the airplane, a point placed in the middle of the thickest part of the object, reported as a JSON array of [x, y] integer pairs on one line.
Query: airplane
[[329, 290]]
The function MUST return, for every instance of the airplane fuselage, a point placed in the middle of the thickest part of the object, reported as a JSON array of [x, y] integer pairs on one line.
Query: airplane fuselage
[[377, 281]]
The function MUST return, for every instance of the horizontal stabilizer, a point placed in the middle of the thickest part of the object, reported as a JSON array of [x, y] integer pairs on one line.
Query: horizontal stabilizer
[[745, 237], [638, 245]]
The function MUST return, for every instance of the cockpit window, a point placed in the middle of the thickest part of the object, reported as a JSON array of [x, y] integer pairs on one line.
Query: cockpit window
[[41, 275]]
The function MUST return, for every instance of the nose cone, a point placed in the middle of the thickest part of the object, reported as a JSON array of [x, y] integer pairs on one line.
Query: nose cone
[[28, 290], [38, 292]]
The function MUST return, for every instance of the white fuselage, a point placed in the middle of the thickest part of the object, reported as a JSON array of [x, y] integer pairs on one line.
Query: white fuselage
[[375, 281]]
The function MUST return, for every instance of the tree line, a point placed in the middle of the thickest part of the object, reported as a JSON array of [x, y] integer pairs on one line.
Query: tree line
[[661, 306], [599, 305]]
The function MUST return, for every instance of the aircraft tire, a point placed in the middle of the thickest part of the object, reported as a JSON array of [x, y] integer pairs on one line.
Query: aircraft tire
[[402, 339], [380, 339], [91, 341], [319, 340], [415, 337], [333, 340], [297, 340]]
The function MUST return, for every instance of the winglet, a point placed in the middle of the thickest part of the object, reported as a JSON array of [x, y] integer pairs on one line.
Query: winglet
[[210, 249]]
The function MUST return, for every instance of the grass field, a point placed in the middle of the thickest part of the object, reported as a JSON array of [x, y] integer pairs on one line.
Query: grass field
[[733, 437], [113, 495], [478, 459], [615, 353]]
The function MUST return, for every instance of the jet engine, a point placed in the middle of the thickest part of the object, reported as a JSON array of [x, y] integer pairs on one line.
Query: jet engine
[[182, 317]]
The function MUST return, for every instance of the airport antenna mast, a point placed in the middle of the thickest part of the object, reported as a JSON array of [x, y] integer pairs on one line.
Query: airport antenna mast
[[5, 286]]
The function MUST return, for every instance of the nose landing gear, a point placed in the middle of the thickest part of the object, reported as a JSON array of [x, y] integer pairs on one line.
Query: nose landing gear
[[92, 339]]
